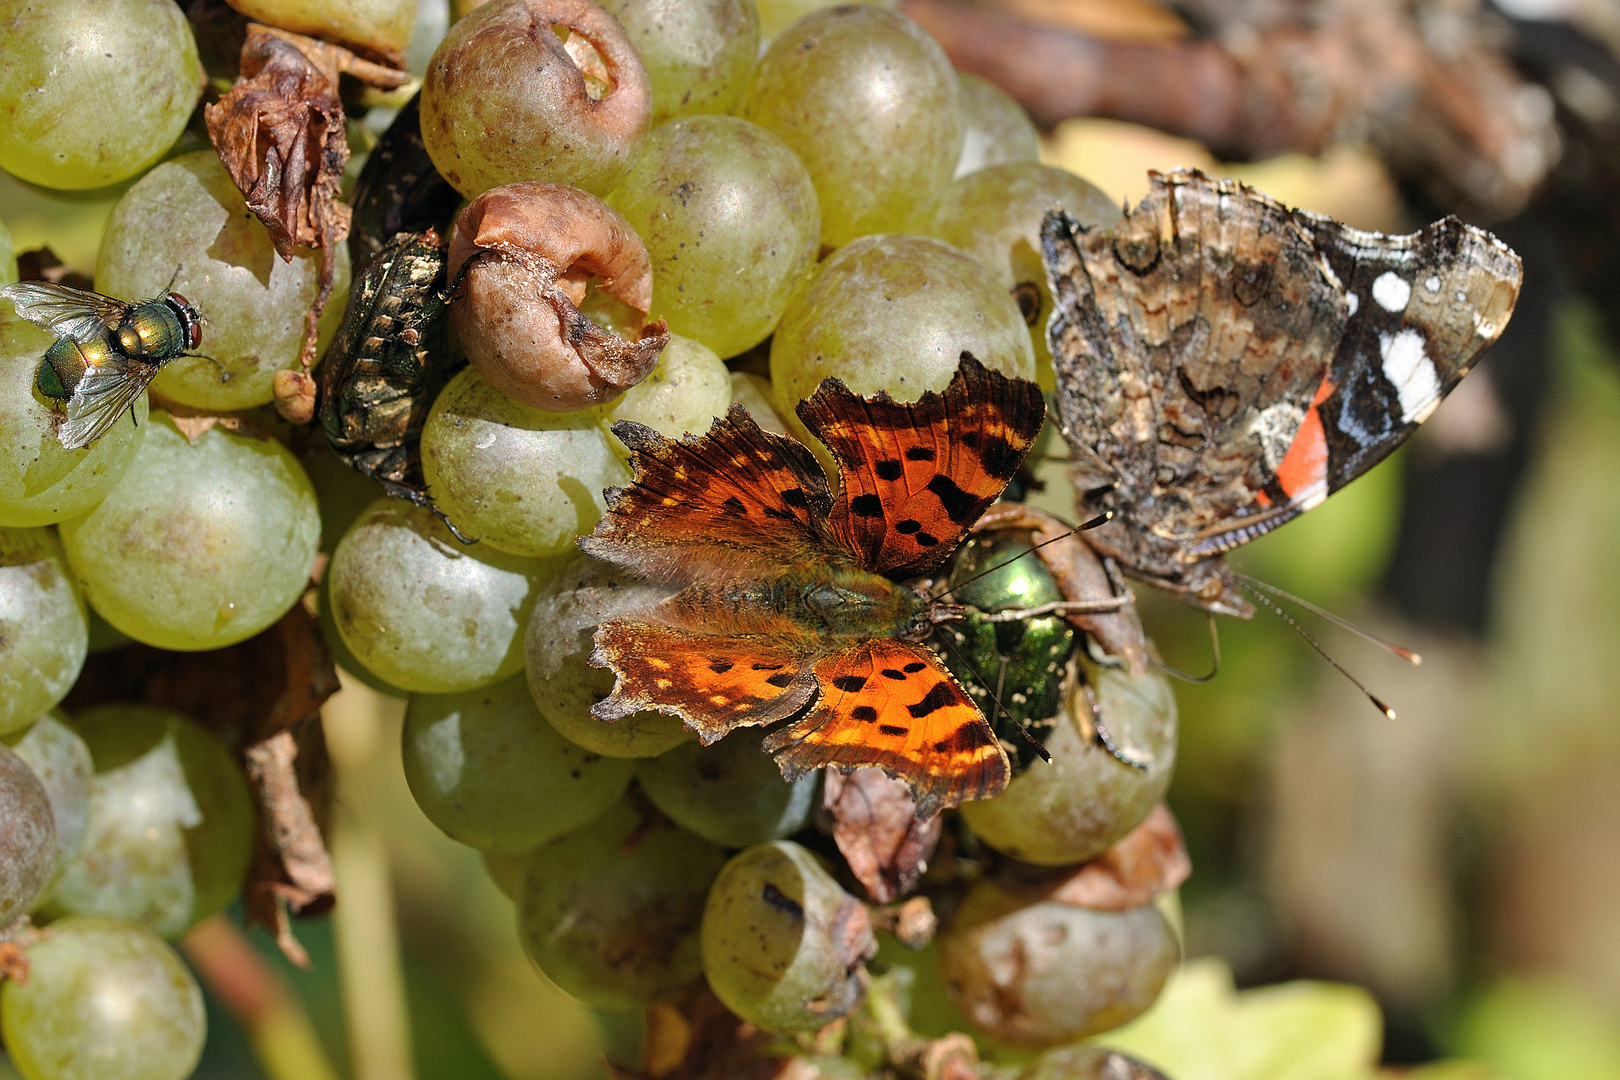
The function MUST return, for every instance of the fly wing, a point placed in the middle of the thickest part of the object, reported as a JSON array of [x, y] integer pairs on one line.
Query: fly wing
[[66, 312], [100, 399]]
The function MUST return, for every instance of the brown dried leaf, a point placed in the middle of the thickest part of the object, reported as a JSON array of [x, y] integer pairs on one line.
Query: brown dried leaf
[[280, 134], [194, 422], [875, 825], [912, 921], [712, 1044], [263, 698], [1149, 860]]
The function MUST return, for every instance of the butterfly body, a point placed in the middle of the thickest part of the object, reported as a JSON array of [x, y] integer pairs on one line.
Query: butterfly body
[[792, 604], [1225, 363], [106, 352]]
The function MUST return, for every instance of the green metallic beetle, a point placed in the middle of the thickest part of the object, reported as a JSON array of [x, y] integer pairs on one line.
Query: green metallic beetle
[[106, 352], [1022, 664]]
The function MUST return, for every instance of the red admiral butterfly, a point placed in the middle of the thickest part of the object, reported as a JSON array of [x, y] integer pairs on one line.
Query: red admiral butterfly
[[1224, 364]]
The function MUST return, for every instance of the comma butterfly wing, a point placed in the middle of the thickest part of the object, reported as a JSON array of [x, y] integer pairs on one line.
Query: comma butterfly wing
[[791, 603]]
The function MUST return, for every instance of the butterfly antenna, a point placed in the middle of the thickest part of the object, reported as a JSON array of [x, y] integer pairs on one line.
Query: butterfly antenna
[[1323, 653], [1215, 651], [1101, 519], [1337, 620], [995, 697]]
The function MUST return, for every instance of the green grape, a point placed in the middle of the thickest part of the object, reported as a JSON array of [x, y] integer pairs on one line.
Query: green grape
[[1037, 973], [894, 313], [776, 16], [610, 911], [697, 53], [994, 215], [782, 942], [684, 393], [512, 95], [506, 870], [523, 481], [201, 545], [187, 221], [339, 650], [103, 1001], [171, 825], [579, 595], [490, 772], [869, 103], [1077, 806], [731, 793], [997, 129], [731, 224], [8, 256], [1086, 1062], [44, 636], [424, 612], [342, 491], [27, 837], [93, 91], [61, 760], [756, 394], [379, 27], [42, 482]]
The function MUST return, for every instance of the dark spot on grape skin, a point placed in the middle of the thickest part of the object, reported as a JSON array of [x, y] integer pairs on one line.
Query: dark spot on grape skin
[[920, 453], [720, 667], [894, 673], [849, 683], [914, 667], [891, 729], [960, 507], [780, 679], [779, 900], [937, 698], [889, 469], [864, 713], [868, 505]]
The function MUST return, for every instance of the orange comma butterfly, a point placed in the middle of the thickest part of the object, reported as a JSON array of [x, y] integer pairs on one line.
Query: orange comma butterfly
[[791, 604]]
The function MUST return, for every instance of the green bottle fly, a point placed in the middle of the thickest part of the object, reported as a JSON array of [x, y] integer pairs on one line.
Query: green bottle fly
[[106, 352]]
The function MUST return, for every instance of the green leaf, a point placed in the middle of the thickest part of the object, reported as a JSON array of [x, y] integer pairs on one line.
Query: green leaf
[[1202, 1029]]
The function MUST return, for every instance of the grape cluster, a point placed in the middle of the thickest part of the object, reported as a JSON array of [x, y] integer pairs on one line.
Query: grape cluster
[[815, 193]]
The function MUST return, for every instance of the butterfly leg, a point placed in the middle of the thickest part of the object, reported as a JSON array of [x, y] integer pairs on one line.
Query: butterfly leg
[[1101, 736]]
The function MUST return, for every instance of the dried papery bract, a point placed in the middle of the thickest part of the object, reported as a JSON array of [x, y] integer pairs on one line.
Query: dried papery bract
[[280, 133], [535, 89], [524, 254]]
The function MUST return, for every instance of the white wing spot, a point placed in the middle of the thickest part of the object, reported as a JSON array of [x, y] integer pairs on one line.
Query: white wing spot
[[1354, 301], [1409, 369], [1391, 291], [1432, 284]]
